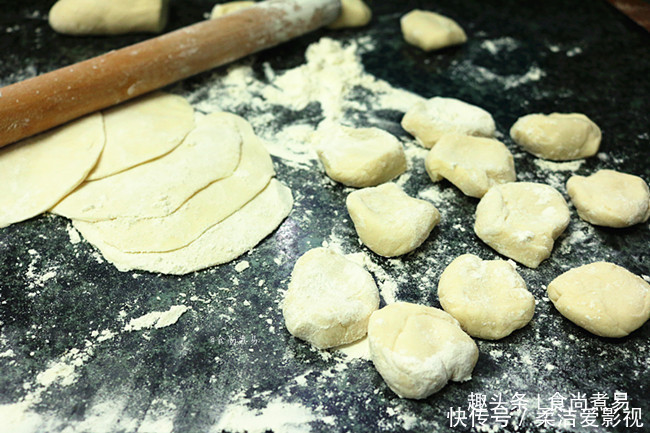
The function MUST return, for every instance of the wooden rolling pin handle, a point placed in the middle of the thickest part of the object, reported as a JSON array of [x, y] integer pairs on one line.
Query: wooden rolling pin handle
[[35, 105]]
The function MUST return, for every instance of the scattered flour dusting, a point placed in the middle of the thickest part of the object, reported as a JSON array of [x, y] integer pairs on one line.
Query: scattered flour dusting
[[559, 166], [479, 74], [494, 46], [157, 319], [388, 287], [242, 266]]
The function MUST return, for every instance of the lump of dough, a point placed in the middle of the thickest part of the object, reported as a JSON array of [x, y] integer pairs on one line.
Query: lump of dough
[[354, 13], [329, 300], [38, 172], [487, 297], [473, 164], [431, 31], [521, 220], [359, 157], [603, 298], [557, 136], [418, 349], [390, 222], [142, 130], [428, 120], [610, 198], [230, 7], [108, 17]]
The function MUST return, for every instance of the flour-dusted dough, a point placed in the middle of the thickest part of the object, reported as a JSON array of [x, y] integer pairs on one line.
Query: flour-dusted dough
[[521, 220], [359, 157], [557, 136], [603, 298], [473, 164], [210, 152], [431, 31], [418, 349], [390, 222], [142, 130], [205, 209], [488, 297], [108, 17], [230, 7], [428, 120], [329, 300], [354, 13], [38, 172], [221, 243], [610, 198]]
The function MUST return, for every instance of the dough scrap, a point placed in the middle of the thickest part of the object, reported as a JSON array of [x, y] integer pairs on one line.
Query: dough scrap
[[359, 157], [210, 152], [329, 300], [610, 198], [473, 164], [431, 31], [108, 17], [222, 9], [418, 349], [142, 130], [206, 208], [390, 222], [428, 120], [354, 13], [557, 136], [603, 298], [38, 172], [221, 243], [521, 220], [488, 297]]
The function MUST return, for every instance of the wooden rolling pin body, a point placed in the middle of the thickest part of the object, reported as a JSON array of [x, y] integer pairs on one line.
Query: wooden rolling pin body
[[49, 100]]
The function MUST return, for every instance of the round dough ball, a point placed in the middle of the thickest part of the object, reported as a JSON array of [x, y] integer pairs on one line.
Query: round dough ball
[[473, 164], [603, 298], [487, 297], [359, 157], [521, 220], [610, 198], [557, 136], [431, 31], [418, 349], [428, 120], [354, 13], [390, 222], [329, 300], [230, 7]]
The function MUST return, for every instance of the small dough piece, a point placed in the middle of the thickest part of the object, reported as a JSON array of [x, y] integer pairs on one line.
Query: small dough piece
[[431, 31], [354, 13], [210, 152], [359, 157], [473, 164], [142, 130], [38, 172], [418, 349], [488, 297], [108, 17], [557, 136], [230, 7], [221, 243], [428, 120], [603, 298], [521, 220], [329, 300], [390, 222], [610, 198]]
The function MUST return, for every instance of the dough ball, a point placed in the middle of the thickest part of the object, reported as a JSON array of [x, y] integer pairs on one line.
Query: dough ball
[[603, 298], [521, 220], [487, 297], [388, 221], [108, 17], [229, 7], [610, 198], [558, 137], [329, 300], [431, 31], [473, 164], [359, 157], [418, 349], [428, 120], [354, 13]]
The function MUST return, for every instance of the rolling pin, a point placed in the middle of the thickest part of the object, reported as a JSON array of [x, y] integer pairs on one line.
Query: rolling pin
[[38, 104]]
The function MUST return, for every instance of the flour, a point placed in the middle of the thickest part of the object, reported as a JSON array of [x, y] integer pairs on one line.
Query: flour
[[157, 319], [559, 166], [495, 46]]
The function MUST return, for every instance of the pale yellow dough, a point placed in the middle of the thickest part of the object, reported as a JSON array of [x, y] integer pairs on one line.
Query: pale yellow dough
[[431, 31], [229, 7], [354, 13]]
